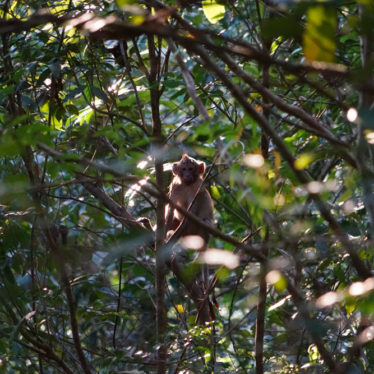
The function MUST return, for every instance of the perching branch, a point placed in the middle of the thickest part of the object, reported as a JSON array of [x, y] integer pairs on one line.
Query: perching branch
[[153, 190]]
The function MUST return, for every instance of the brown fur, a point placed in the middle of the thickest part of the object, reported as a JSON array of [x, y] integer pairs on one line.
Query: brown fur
[[188, 174]]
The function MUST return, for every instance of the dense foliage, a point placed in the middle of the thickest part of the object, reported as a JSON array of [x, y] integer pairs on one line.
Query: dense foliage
[[97, 98]]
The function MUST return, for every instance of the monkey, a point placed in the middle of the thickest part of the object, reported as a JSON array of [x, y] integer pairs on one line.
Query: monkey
[[186, 189]]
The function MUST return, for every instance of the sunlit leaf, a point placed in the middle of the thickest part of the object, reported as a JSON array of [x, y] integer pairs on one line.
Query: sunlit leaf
[[277, 279], [319, 36], [137, 19], [313, 353], [179, 308], [277, 162], [84, 116], [213, 10], [215, 192], [304, 161], [50, 117], [350, 308], [121, 3]]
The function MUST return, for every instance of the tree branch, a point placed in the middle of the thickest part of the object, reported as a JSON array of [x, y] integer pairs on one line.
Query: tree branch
[[53, 234], [362, 269], [153, 190], [313, 333], [161, 319], [190, 83], [115, 29]]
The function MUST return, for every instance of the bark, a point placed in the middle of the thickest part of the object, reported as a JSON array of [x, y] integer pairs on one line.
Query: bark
[[161, 321]]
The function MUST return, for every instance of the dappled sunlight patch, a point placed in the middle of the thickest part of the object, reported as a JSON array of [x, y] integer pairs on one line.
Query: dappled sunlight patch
[[96, 24], [310, 253], [352, 114], [356, 289], [134, 190], [277, 280], [220, 257], [314, 187], [317, 187], [30, 315], [328, 299], [195, 242], [280, 303], [349, 207], [366, 336], [143, 164], [369, 135], [273, 276], [279, 200], [253, 160], [85, 17], [360, 288]]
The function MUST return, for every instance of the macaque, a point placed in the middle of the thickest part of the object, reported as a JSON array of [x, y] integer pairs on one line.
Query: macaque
[[186, 184], [187, 191]]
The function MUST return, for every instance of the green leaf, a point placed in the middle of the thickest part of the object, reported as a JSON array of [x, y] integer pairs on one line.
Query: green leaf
[[121, 3], [213, 11], [72, 109], [97, 216], [319, 35], [8, 145], [304, 161], [56, 123], [55, 69], [313, 353], [98, 92], [84, 116]]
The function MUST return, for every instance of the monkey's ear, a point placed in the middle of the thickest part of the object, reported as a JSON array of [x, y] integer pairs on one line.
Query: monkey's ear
[[175, 168], [202, 167]]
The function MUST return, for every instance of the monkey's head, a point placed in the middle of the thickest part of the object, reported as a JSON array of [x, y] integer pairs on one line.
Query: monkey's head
[[188, 169]]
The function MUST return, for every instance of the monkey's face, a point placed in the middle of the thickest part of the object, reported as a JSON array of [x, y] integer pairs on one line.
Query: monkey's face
[[188, 171]]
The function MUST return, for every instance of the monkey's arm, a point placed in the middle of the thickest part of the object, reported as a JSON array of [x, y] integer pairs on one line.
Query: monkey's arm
[[169, 214], [171, 222]]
